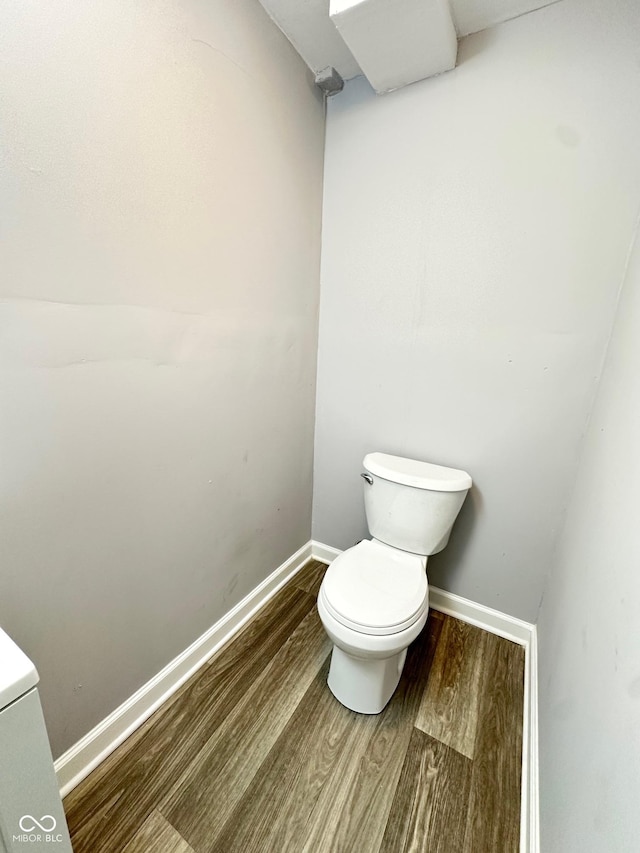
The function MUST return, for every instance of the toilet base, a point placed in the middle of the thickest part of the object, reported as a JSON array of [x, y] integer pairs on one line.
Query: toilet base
[[364, 685]]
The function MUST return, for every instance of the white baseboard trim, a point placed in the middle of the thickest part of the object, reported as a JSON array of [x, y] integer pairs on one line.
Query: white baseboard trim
[[324, 553], [530, 778], [84, 756], [518, 631], [483, 617]]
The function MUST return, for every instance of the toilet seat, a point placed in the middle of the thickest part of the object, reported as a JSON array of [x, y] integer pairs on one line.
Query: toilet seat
[[375, 589]]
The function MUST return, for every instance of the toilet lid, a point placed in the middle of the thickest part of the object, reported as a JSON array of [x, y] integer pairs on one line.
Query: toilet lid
[[376, 589]]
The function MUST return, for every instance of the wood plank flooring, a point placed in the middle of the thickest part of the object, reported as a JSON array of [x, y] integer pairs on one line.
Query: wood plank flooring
[[254, 754]]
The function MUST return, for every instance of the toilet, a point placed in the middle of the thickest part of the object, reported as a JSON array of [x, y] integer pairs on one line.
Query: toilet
[[374, 599]]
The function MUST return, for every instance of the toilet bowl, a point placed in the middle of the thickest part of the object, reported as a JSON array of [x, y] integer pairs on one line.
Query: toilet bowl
[[374, 598], [373, 602]]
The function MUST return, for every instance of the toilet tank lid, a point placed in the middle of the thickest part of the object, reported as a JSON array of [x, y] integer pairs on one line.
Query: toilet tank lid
[[420, 475]]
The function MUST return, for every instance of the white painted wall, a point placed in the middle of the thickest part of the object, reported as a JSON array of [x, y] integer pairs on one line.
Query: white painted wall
[[474, 15], [161, 191], [589, 642], [474, 239]]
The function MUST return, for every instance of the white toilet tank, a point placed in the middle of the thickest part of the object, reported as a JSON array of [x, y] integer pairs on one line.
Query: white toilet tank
[[412, 505]]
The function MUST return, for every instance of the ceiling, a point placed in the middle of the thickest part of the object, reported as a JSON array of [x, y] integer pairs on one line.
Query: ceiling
[[379, 37]]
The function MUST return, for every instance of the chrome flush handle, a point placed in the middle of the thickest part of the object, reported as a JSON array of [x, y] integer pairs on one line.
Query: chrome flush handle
[[368, 478]]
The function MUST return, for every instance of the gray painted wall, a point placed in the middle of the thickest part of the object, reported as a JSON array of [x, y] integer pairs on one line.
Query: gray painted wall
[[475, 232], [589, 642], [161, 177]]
